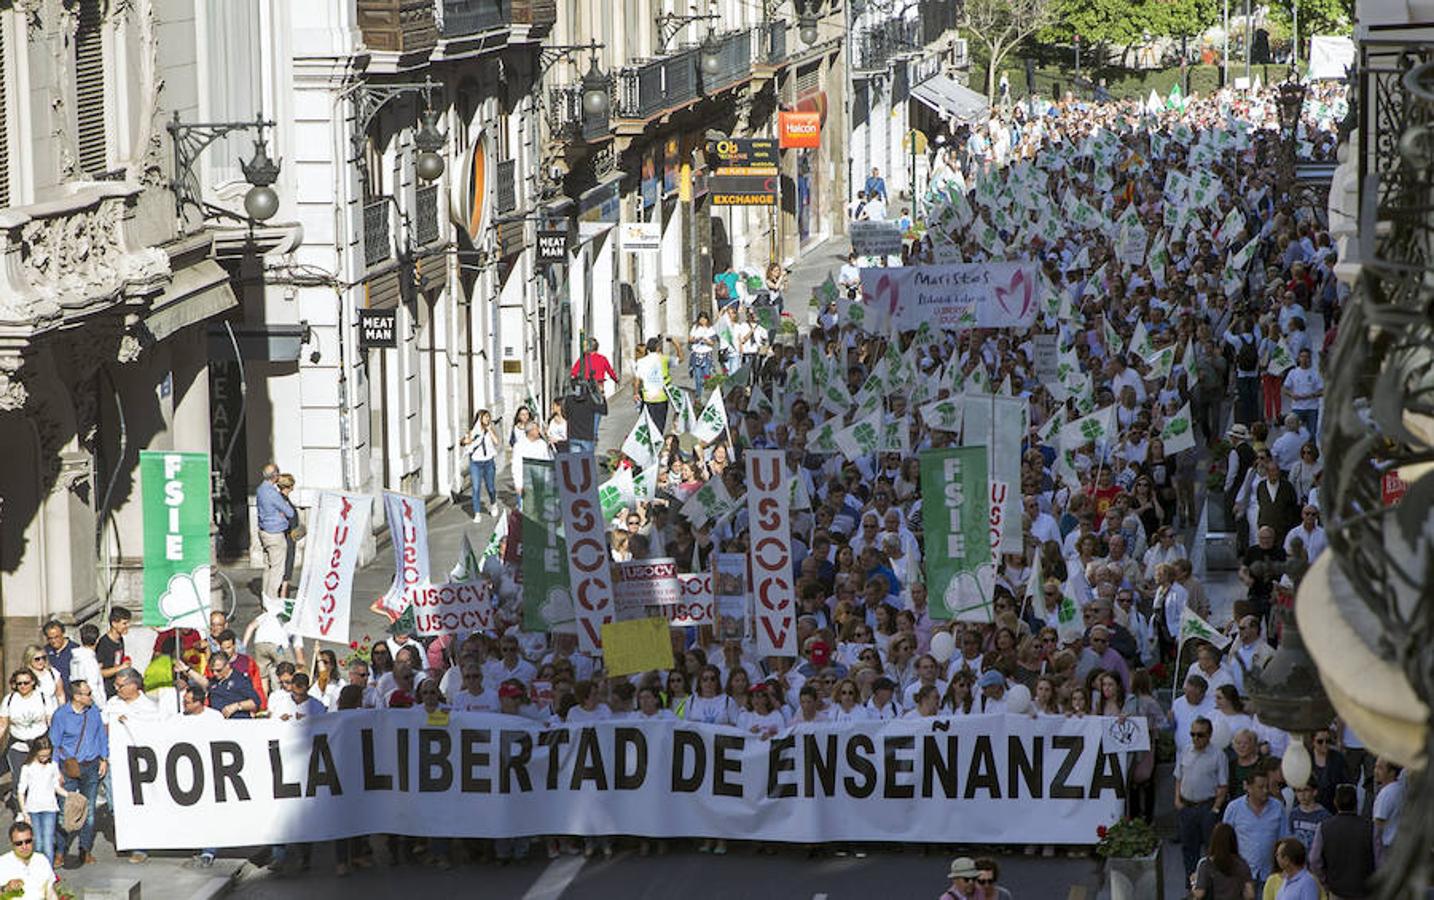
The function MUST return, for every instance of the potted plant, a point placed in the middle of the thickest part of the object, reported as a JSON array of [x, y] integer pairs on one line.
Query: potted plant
[[1131, 850]]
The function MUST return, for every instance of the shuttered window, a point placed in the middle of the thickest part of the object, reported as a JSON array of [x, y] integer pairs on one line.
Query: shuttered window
[[90, 88], [4, 124]]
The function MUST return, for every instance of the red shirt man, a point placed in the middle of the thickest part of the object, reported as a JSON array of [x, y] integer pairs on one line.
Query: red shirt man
[[594, 365]]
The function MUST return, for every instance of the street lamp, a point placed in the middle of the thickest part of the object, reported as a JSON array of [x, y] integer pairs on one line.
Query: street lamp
[[1287, 694], [807, 24], [429, 141], [190, 139], [711, 54], [596, 100]]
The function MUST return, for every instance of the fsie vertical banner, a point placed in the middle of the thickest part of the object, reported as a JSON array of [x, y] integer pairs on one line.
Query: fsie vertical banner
[[956, 514], [769, 519], [589, 566], [547, 604], [336, 533], [177, 553]]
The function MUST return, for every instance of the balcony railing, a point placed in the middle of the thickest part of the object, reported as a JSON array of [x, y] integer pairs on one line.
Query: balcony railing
[[568, 121], [506, 186], [425, 215], [399, 26], [679, 77], [538, 15], [464, 17], [376, 247], [640, 93], [773, 35], [734, 61], [1401, 234], [874, 48]]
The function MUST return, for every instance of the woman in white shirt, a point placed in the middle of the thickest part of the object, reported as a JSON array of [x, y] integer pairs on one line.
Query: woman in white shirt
[[326, 681], [708, 704], [588, 709], [702, 343], [847, 707], [649, 706], [763, 718], [959, 699], [24, 716], [926, 703], [47, 679], [37, 786]]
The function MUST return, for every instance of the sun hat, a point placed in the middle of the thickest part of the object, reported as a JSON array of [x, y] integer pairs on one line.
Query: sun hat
[[962, 867]]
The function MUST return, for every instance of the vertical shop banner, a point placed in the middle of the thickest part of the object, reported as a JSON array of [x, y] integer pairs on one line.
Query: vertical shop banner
[[729, 589], [956, 515], [336, 532], [408, 529], [589, 566], [547, 602], [177, 553], [770, 522]]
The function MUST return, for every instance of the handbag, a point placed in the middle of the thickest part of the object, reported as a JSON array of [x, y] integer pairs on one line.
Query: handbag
[[72, 764]]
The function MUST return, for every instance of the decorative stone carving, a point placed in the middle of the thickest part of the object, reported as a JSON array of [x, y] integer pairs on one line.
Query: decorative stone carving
[[13, 393], [129, 348]]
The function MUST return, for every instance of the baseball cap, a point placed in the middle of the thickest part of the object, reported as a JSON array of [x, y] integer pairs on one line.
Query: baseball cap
[[821, 653], [991, 678]]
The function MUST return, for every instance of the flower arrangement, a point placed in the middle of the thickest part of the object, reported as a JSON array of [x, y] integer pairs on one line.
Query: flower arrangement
[[358, 650], [1127, 838]]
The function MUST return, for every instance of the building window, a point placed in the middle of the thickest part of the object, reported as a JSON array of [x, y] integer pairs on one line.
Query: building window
[[90, 89]]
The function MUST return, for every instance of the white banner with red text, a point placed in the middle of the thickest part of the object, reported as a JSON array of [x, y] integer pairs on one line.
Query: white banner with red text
[[408, 528], [951, 297], [1001, 779], [336, 532], [770, 550]]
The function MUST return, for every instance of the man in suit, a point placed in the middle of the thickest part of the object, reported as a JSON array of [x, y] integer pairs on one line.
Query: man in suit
[[1279, 504]]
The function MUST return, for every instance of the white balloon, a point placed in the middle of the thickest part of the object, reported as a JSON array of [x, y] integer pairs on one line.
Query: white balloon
[[1018, 699], [1297, 764], [1220, 735], [943, 645]]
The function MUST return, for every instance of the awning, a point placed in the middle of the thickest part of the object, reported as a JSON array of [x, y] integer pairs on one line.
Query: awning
[[949, 98], [196, 292]]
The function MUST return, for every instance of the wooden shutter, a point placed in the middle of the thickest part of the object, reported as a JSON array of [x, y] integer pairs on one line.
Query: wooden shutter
[[4, 125], [90, 89]]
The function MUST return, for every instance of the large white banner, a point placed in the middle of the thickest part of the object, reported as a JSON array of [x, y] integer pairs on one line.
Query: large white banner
[[408, 528], [589, 564], [1001, 779], [770, 543], [967, 295], [457, 608], [325, 595]]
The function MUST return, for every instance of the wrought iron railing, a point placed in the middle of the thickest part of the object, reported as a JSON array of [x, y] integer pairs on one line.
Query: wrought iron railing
[[463, 17], [874, 48], [376, 246], [679, 77], [734, 61], [506, 185], [425, 215], [1396, 151], [568, 120], [774, 42], [640, 89]]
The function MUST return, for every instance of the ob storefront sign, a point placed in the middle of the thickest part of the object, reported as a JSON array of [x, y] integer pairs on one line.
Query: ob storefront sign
[[336, 534], [769, 516], [972, 779], [589, 566]]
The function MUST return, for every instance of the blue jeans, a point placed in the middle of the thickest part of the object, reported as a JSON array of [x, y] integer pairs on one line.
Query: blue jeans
[[701, 369], [483, 472], [44, 825], [88, 784], [579, 446], [1310, 418]]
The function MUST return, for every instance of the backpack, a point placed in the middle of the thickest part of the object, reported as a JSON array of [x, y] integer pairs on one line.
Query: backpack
[[1247, 358]]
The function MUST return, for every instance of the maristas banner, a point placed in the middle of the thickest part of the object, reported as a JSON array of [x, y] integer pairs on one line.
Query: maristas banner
[[1000, 779]]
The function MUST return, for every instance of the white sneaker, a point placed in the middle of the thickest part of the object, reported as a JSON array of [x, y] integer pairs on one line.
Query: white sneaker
[[477, 517], [495, 510]]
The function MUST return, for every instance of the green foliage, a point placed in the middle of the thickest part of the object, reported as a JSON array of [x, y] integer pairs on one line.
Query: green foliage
[[1125, 22], [1316, 17], [1126, 839], [1130, 83], [1180, 18]]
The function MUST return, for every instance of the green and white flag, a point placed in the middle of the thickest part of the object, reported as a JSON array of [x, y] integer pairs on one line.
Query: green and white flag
[[709, 503], [1051, 430], [959, 566], [822, 439], [834, 396], [683, 415], [1113, 342], [1160, 363], [944, 414], [1069, 627], [177, 551], [1280, 359], [644, 442], [1094, 428], [1035, 590], [1179, 432], [1193, 627], [760, 401], [861, 438], [615, 493], [713, 421], [1140, 342], [896, 436], [645, 483], [469, 567], [1232, 226]]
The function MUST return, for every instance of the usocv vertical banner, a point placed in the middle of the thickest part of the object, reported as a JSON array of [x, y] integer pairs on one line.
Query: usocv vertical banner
[[769, 519], [408, 527], [336, 534], [177, 552], [589, 566]]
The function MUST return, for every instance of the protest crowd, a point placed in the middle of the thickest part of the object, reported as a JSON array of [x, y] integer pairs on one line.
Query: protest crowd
[[1166, 358]]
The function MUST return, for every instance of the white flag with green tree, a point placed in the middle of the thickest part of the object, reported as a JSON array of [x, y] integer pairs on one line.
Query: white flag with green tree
[[861, 438], [644, 442], [1193, 627], [944, 414], [1179, 432], [709, 503], [1092, 429], [617, 492], [713, 421], [1140, 342]]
